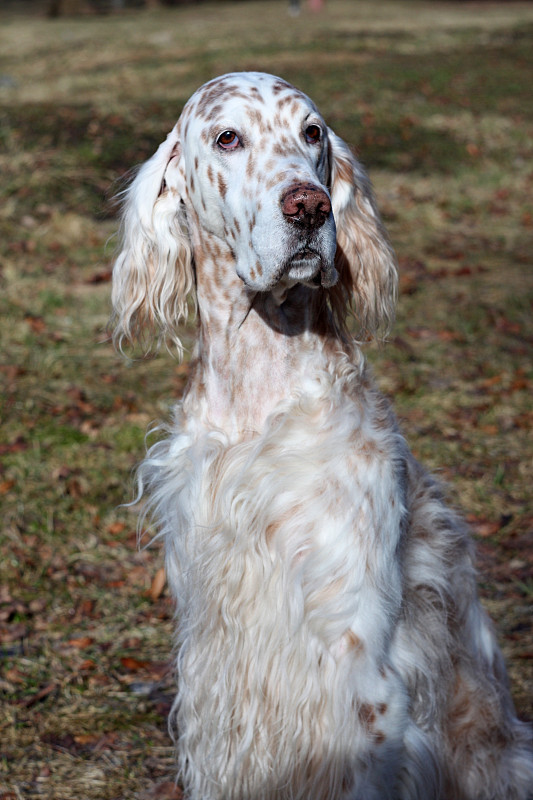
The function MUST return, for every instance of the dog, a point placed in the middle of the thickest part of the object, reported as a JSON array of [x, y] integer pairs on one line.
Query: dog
[[330, 641]]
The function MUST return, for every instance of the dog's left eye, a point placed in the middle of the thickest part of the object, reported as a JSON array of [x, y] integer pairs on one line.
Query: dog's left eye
[[228, 140], [313, 134]]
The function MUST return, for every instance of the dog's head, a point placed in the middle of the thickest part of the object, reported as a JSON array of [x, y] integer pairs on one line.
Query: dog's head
[[252, 162]]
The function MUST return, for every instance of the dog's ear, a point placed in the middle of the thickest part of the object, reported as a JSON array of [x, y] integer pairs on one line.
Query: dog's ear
[[153, 274], [364, 260]]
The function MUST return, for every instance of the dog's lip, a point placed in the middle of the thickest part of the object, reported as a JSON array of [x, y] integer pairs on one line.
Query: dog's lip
[[302, 256], [328, 276], [325, 275], [315, 271], [306, 254], [308, 261]]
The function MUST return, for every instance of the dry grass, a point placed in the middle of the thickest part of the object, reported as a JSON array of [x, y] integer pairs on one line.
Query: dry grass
[[437, 99]]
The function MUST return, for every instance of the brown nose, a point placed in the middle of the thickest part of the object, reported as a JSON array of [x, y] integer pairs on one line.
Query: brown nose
[[306, 205]]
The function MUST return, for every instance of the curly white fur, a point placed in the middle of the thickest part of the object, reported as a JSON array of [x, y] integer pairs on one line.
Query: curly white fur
[[330, 641]]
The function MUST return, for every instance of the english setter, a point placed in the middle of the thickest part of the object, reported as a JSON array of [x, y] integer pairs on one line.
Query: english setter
[[331, 644]]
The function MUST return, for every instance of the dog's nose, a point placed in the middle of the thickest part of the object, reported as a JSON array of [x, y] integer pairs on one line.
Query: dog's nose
[[306, 204]]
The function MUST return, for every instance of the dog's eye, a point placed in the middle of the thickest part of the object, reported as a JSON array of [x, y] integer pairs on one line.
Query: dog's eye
[[228, 140], [313, 134]]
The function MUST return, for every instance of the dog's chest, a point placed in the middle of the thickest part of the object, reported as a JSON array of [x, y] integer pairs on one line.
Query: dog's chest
[[298, 526]]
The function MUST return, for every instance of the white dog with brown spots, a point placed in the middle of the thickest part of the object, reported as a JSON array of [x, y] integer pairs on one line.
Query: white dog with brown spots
[[330, 641]]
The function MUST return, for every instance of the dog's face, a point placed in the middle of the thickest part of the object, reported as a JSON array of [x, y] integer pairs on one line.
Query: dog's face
[[250, 179], [253, 160]]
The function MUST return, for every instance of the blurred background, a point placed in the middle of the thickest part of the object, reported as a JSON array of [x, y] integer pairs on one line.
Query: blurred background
[[436, 99]]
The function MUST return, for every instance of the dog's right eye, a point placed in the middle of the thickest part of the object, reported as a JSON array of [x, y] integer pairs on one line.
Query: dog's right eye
[[313, 134], [228, 140]]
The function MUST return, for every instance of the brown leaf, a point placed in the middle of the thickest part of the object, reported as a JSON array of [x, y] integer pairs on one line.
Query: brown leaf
[[483, 527], [448, 336], [37, 605], [104, 276], [99, 680], [81, 642], [132, 643], [15, 676], [492, 381], [5, 595], [116, 527], [97, 743], [13, 633], [14, 447], [12, 371], [507, 326], [36, 324], [85, 739], [409, 284], [165, 791], [132, 664], [159, 670], [518, 384], [84, 610], [490, 430], [158, 584], [64, 742]]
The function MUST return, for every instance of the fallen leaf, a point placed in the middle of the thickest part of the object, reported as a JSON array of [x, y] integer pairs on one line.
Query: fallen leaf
[[15, 676], [490, 430], [492, 381], [36, 324], [14, 447], [132, 664], [81, 642], [84, 610], [104, 276], [165, 791], [483, 527], [116, 527], [13, 633], [5, 595], [448, 336], [63, 743], [518, 384], [158, 584], [76, 487], [87, 738]]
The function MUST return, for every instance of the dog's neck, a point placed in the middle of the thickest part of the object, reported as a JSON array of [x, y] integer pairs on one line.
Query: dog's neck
[[253, 347]]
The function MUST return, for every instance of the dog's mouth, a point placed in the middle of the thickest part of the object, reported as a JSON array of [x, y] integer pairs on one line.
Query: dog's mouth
[[308, 267]]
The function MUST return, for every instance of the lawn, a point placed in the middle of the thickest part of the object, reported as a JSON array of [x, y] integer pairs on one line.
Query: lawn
[[436, 98]]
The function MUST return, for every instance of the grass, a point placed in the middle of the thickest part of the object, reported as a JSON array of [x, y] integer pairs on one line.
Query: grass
[[436, 98]]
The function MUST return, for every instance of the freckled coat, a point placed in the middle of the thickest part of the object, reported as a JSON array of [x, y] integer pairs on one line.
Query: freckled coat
[[330, 641]]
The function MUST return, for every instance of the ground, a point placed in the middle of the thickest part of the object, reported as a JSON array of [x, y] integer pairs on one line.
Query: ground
[[436, 98]]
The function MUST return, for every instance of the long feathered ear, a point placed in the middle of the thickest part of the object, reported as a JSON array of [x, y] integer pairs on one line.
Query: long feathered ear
[[365, 260], [153, 274]]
